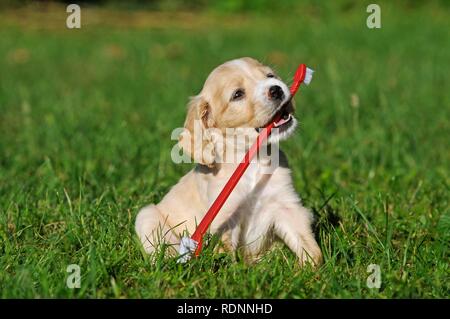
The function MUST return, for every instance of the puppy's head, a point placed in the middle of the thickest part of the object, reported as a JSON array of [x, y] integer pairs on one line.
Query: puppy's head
[[241, 93]]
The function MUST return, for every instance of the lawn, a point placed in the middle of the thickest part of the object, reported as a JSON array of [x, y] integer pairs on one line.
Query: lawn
[[85, 124]]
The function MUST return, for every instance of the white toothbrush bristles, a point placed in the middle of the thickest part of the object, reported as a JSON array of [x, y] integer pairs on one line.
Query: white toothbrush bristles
[[308, 76], [187, 248]]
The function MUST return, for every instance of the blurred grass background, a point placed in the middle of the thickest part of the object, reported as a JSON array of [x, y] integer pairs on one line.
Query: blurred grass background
[[85, 124]]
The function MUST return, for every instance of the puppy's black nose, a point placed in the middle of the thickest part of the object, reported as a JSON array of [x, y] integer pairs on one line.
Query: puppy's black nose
[[276, 93]]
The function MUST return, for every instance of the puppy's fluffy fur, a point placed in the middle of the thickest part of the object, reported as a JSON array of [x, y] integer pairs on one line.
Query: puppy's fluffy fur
[[262, 207]]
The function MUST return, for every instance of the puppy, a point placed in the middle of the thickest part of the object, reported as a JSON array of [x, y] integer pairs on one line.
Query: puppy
[[238, 98]]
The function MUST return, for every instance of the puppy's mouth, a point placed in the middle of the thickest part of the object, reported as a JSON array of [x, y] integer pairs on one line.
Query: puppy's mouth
[[284, 117]]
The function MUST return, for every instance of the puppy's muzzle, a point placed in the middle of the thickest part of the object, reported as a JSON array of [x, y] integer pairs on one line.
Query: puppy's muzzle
[[276, 93]]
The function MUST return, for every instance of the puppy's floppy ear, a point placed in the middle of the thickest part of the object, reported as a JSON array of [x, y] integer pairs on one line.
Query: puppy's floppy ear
[[196, 139]]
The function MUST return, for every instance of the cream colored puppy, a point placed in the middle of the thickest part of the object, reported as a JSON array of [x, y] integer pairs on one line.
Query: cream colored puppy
[[243, 95]]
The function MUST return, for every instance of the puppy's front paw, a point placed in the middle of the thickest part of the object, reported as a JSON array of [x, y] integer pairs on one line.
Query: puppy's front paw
[[312, 255], [150, 228]]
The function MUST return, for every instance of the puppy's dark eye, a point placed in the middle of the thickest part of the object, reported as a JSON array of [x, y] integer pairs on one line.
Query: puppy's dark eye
[[237, 95], [270, 75]]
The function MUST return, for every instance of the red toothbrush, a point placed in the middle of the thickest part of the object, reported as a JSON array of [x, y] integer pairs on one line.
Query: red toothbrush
[[188, 245]]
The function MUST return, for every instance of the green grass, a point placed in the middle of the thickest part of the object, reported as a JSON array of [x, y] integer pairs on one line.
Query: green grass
[[85, 123]]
